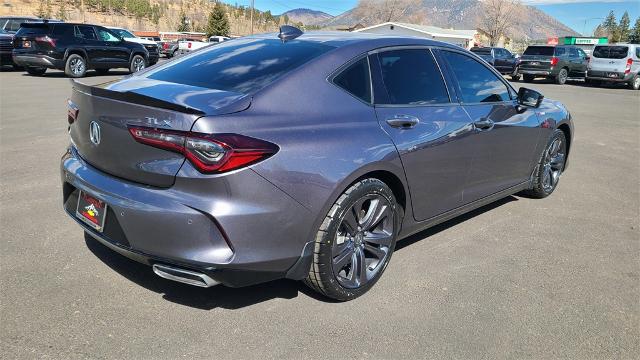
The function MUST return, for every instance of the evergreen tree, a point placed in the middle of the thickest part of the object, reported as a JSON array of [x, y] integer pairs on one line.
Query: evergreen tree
[[218, 24], [611, 26], [286, 19], [183, 22], [634, 36], [623, 28]]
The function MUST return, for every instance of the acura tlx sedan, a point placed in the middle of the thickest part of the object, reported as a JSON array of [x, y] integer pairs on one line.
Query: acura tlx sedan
[[301, 156]]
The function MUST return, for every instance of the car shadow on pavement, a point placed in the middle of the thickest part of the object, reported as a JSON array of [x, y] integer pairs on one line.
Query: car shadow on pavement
[[236, 298], [90, 73]]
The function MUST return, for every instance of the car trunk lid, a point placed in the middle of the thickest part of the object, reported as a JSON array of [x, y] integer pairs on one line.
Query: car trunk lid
[[101, 117]]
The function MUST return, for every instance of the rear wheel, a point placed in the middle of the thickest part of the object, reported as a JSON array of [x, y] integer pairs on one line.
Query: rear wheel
[[355, 241], [562, 76], [634, 84], [550, 166], [76, 66], [137, 63], [36, 71], [528, 78]]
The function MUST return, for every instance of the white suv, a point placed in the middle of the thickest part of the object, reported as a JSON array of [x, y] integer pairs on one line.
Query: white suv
[[618, 63]]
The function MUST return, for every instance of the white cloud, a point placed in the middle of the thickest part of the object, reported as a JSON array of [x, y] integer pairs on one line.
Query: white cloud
[[555, 2]]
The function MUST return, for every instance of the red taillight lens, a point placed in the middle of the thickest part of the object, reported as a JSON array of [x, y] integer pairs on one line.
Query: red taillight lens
[[165, 46], [189, 45], [72, 112], [554, 61], [627, 68], [46, 39], [216, 153]]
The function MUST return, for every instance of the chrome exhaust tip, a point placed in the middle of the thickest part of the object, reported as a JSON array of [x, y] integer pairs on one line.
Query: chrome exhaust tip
[[184, 276]]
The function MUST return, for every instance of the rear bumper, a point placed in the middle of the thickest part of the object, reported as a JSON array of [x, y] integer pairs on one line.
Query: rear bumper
[[37, 61], [612, 76], [534, 72], [258, 237]]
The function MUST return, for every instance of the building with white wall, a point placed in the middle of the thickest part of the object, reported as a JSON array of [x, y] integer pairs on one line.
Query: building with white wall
[[462, 38]]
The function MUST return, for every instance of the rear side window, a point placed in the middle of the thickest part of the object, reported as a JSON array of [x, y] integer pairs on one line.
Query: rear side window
[[63, 31], [85, 32], [560, 51], [412, 77], [477, 83], [611, 52], [241, 65], [539, 50], [356, 80]]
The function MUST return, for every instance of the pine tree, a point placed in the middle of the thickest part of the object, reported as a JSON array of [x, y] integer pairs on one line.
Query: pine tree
[[623, 28], [634, 36], [611, 26], [183, 22], [218, 24], [286, 19]]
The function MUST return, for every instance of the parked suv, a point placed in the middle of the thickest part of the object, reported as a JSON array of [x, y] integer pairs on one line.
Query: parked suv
[[501, 59], [151, 46], [6, 46], [74, 48], [557, 63], [11, 24], [619, 63]]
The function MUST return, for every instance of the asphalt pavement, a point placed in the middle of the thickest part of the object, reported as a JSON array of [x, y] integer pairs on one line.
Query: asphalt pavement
[[520, 278]]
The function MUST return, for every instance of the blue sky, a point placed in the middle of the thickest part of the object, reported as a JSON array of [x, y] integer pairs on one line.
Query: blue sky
[[573, 13]]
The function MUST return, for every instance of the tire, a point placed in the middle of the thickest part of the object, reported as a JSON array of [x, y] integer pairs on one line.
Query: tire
[[528, 78], [137, 63], [345, 239], [174, 53], [76, 66], [634, 84], [515, 76], [17, 67], [562, 76], [550, 166], [102, 71], [36, 71]]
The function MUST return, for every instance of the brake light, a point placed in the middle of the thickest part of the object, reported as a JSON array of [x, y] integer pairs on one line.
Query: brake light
[[165, 46], [72, 112], [47, 39], [216, 153], [189, 45], [627, 68], [554, 61]]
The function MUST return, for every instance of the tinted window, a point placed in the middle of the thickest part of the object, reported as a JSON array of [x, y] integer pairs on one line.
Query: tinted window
[[477, 83], [85, 32], [539, 50], [483, 51], [611, 52], [560, 51], [356, 80], [34, 29], [412, 77], [581, 53], [241, 65], [638, 52], [573, 52], [105, 35], [63, 31]]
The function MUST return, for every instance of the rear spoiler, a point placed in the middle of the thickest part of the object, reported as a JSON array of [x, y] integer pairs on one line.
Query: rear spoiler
[[131, 97]]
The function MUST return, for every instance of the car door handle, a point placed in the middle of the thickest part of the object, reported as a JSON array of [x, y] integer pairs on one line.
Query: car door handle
[[484, 124], [403, 121]]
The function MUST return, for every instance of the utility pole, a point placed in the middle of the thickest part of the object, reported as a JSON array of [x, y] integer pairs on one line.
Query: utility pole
[[252, 8]]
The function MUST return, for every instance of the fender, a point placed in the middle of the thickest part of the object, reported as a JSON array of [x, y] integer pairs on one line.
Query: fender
[[69, 50]]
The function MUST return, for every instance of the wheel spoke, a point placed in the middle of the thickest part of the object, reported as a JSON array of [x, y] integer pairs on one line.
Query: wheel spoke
[[557, 161], [351, 222], [340, 261], [378, 238], [359, 267], [376, 212], [375, 251]]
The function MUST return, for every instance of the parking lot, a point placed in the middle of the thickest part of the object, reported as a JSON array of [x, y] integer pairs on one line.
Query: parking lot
[[521, 278]]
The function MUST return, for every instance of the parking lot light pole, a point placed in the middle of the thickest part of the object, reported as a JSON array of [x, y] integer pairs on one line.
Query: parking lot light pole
[[584, 27]]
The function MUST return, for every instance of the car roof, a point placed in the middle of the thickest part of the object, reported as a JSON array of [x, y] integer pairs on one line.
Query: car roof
[[618, 44]]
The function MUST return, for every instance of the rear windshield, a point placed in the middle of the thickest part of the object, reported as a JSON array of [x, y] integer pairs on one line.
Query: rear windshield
[[242, 65], [34, 29], [611, 52], [539, 50], [483, 51]]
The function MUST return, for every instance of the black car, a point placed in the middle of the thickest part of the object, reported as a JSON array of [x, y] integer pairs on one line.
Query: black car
[[6, 46], [501, 59], [74, 48], [11, 24], [557, 63]]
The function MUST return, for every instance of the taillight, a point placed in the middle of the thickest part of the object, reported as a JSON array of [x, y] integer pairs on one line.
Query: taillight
[[554, 61], [46, 39], [216, 153], [72, 112], [627, 68], [189, 45], [165, 46]]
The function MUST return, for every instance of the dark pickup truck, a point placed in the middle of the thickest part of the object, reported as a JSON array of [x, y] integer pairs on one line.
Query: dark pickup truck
[[557, 63]]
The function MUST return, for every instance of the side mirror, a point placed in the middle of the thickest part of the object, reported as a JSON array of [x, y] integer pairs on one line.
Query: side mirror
[[528, 97]]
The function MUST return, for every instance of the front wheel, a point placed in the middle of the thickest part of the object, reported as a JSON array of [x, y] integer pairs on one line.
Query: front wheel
[[36, 71], [137, 64], [550, 166], [634, 84], [355, 241]]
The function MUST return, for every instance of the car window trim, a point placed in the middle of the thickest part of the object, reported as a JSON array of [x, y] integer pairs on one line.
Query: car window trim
[[375, 52], [510, 89], [344, 67]]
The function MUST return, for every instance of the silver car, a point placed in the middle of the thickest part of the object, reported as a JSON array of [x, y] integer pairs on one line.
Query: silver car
[[615, 63]]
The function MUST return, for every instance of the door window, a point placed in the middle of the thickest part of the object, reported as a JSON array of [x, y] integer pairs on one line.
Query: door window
[[105, 35], [412, 77], [477, 83], [573, 52], [356, 80], [582, 54], [85, 32]]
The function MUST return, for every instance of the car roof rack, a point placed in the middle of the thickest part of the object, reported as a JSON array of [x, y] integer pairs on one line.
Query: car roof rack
[[288, 32]]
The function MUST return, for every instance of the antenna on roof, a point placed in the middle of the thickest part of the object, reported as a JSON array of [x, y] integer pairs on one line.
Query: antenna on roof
[[288, 32]]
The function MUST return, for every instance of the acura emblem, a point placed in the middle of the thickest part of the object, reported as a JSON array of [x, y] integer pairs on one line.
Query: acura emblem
[[94, 132]]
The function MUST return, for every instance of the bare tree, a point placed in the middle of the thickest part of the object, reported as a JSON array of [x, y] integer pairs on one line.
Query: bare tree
[[378, 11], [497, 17]]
